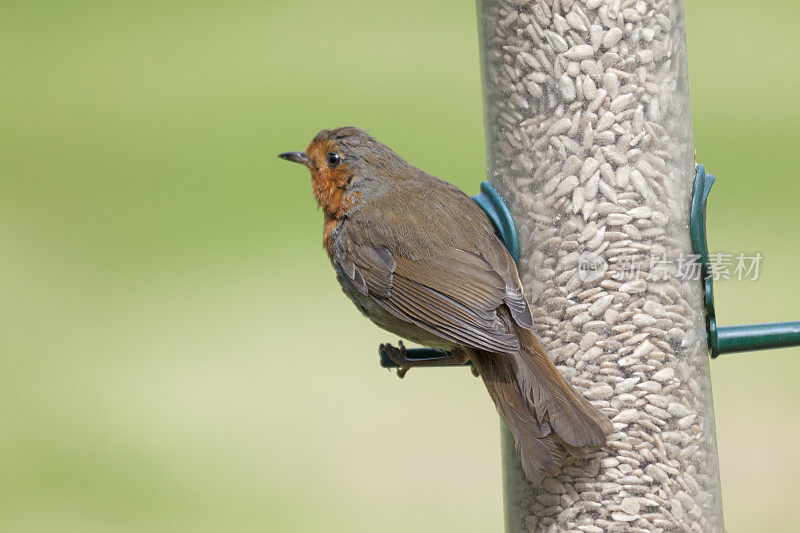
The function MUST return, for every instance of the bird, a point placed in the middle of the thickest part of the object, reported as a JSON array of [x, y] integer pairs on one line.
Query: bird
[[421, 260]]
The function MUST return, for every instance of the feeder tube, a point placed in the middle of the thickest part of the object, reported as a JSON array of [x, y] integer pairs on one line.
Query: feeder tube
[[589, 141]]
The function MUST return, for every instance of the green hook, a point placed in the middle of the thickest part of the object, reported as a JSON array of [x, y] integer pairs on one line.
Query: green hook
[[496, 209], [729, 339]]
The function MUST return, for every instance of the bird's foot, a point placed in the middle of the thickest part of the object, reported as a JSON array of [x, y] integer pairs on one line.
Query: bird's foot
[[398, 356], [405, 360]]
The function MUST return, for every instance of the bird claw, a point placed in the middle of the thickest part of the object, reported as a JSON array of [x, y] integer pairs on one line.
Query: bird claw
[[398, 356]]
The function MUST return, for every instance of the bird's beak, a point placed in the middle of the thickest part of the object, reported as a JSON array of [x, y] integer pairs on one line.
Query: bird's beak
[[295, 157]]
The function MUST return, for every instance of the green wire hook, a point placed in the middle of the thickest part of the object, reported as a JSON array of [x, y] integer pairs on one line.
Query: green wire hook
[[729, 339]]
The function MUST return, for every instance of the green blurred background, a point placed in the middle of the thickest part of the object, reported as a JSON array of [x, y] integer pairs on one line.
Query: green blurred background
[[175, 354]]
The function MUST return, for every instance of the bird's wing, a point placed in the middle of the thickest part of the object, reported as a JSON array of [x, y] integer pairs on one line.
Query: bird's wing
[[454, 294]]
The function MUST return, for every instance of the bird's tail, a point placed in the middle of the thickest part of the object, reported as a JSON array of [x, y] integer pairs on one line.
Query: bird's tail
[[546, 416]]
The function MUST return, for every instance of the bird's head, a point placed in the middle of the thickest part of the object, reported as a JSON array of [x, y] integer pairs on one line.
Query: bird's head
[[348, 167]]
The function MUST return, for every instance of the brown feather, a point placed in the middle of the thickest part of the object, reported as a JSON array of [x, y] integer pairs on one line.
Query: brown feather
[[540, 451], [572, 417], [460, 296]]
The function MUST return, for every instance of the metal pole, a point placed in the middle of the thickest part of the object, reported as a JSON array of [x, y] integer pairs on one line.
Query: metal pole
[[731, 339], [589, 141]]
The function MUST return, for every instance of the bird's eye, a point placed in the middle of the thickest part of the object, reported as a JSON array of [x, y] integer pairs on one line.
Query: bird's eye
[[334, 159]]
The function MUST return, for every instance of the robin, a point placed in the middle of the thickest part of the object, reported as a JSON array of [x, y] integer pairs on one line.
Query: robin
[[420, 259]]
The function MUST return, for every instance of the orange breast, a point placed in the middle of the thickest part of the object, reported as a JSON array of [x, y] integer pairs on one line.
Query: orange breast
[[329, 186], [327, 234]]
